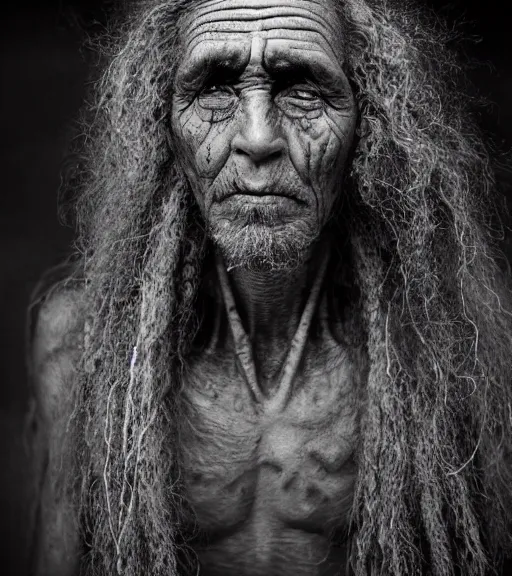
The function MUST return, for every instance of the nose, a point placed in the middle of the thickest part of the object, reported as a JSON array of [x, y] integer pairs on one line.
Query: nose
[[257, 139]]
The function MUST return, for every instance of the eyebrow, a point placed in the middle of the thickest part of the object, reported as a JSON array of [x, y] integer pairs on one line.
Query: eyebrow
[[214, 64], [287, 67], [217, 65]]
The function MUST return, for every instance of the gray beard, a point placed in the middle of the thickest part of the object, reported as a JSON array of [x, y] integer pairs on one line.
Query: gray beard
[[262, 244]]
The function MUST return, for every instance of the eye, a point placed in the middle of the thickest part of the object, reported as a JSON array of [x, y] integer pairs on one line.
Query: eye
[[306, 95], [300, 100], [217, 98]]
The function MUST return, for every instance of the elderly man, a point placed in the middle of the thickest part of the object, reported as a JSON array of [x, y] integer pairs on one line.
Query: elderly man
[[284, 348]]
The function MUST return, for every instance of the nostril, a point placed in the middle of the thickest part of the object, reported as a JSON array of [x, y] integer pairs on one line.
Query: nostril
[[276, 154], [270, 157], [259, 151], [259, 155]]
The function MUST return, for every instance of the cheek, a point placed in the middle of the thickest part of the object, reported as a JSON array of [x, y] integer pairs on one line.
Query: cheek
[[206, 144], [318, 150], [318, 147]]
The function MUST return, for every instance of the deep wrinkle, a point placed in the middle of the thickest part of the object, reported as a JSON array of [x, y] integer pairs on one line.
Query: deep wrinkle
[[265, 97], [295, 19]]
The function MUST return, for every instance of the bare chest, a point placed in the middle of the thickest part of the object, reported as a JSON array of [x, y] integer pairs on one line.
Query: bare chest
[[271, 488]]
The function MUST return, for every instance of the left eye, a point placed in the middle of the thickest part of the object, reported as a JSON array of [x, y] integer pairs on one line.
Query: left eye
[[298, 101], [307, 95]]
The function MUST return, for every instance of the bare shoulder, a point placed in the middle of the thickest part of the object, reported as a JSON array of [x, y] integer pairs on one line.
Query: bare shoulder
[[55, 343], [59, 324]]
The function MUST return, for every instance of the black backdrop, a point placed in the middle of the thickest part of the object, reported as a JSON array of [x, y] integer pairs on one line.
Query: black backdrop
[[43, 72]]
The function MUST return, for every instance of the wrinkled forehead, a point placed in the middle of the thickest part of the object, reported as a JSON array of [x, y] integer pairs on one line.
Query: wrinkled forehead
[[297, 24]]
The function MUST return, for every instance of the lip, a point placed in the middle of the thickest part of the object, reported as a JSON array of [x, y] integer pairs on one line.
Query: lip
[[259, 193], [260, 199], [252, 188]]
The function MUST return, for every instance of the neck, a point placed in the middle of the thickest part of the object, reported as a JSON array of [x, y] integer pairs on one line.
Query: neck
[[270, 305], [259, 347]]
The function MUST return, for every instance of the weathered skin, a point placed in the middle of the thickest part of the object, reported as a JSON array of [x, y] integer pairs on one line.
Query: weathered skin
[[264, 118], [271, 490]]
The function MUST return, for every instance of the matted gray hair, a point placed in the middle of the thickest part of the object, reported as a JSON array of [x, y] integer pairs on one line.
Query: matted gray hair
[[434, 485]]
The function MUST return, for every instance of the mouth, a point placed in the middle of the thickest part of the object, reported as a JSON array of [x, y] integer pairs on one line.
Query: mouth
[[260, 199], [260, 194]]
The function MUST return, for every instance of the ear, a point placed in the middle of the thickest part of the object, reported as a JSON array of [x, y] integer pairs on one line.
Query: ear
[[363, 128]]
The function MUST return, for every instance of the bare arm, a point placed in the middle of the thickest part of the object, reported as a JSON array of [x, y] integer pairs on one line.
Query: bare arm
[[53, 355]]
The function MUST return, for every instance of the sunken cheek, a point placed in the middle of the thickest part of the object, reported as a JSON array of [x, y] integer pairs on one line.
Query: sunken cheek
[[316, 146], [207, 146], [318, 149]]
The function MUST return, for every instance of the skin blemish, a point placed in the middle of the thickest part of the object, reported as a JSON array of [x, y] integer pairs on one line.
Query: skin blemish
[[305, 124]]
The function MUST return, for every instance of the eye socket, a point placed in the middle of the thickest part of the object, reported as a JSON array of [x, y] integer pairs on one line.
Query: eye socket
[[299, 100], [308, 98], [217, 98]]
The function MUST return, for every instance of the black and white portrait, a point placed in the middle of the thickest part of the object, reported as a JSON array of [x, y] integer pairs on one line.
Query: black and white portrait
[[275, 337]]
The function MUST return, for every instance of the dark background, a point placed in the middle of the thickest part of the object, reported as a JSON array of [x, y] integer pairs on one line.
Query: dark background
[[43, 71]]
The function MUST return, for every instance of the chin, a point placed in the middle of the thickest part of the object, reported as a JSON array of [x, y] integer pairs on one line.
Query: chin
[[263, 247]]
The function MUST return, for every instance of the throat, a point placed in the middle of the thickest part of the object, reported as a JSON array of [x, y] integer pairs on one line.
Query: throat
[[270, 304], [270, 314]]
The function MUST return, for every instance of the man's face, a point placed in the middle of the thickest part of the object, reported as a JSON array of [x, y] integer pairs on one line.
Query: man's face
[[263, 117]]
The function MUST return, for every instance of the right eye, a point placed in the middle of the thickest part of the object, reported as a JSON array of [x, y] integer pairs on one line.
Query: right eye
[[215, 97]]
